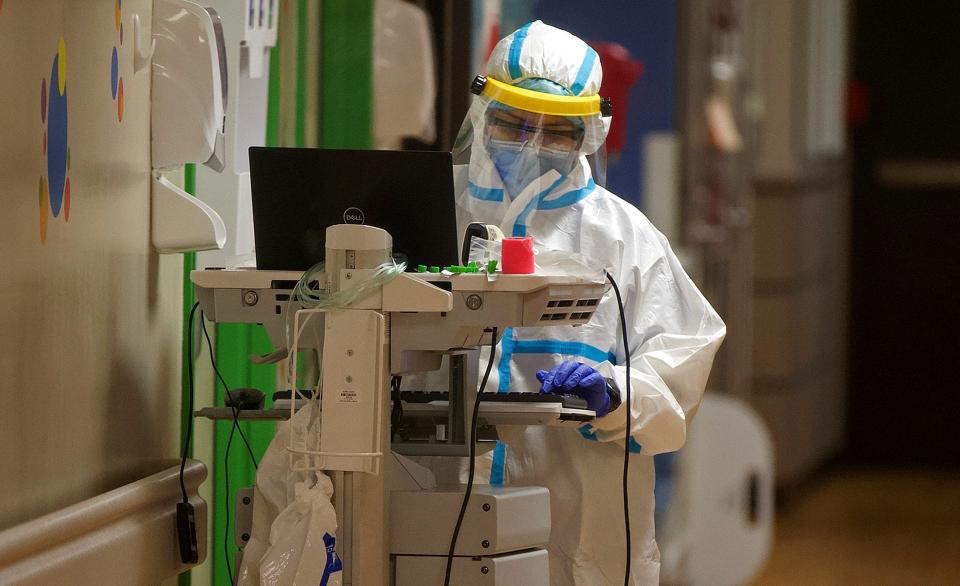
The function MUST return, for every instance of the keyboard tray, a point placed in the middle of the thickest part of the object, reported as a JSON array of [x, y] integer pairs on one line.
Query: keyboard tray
[[568, 401]]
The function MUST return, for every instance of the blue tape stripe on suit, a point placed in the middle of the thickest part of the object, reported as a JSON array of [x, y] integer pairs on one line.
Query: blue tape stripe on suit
[[562, 347], [499, 461], [520, 227], [516, 46], [485, 193], [503, 369], [541, 203], [583, 74], [587, 432]]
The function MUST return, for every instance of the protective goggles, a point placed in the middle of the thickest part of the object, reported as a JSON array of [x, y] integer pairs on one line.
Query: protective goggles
[[539, 102], [503, 127]]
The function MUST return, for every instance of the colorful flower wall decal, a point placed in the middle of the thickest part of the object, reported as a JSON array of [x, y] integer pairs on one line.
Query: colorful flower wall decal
[[54, 191], [116, 81]]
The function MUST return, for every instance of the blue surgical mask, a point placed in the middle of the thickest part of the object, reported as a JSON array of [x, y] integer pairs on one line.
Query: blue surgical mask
[[519, 165]]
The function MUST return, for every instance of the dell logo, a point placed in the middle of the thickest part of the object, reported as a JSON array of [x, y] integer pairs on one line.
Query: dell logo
[[354, 216]]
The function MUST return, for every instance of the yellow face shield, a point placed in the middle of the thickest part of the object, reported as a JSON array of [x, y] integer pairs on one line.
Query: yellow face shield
[[539, 102]]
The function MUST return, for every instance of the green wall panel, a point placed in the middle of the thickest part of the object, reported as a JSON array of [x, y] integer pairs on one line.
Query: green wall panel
[[346, 74]]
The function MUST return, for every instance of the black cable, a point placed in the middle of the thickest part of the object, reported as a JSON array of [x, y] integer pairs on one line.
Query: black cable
[[234, 409], [396, 414], [626, 439], [226, 518], [235, 428], [473, 457], [186, 442]]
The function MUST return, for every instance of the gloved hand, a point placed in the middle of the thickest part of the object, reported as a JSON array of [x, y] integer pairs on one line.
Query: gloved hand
[[576, 378]]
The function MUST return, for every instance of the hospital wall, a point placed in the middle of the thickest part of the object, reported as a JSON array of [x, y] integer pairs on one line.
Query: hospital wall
[[90, 315], [801, 231], [648, 29]]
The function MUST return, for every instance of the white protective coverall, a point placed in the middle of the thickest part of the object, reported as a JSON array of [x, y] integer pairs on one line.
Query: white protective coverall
[[673, 330]]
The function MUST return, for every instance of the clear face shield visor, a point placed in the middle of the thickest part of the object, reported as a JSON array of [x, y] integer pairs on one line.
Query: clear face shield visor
[[522, 143], [526, 133]]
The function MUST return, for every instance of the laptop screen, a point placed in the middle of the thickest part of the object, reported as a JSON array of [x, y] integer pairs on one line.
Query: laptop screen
[[297, 193]]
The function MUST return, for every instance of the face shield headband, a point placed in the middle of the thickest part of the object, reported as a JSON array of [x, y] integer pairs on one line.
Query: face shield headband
[[539, 102]]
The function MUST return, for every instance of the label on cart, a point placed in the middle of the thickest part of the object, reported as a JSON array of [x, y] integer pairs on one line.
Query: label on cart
[[348, 396]]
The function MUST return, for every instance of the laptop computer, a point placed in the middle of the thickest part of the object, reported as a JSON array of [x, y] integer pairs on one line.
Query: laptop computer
[[298, 192]]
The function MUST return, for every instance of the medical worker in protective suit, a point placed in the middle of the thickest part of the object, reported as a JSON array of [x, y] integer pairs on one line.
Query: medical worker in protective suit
[[521, 163]]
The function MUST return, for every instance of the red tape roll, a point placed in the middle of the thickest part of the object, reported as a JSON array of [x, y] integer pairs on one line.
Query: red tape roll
[[517, 256]]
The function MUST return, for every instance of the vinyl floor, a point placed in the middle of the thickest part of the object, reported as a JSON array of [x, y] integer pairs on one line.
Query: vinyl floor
[[869, 527]]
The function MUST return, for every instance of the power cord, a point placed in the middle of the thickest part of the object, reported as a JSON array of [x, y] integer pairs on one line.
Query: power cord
[[235, 428], [473, 457], [226, 516], [186, 442], [235, 410], [626, 439], [186, 516]]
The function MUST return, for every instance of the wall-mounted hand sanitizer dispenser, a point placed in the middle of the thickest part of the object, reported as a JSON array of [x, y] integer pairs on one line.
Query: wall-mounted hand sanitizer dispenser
[[189, 94], [188, 84], [250, 31]]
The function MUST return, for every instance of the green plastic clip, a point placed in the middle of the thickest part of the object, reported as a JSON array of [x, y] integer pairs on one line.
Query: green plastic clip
[[421, 268], [492, 266], [434, 269]]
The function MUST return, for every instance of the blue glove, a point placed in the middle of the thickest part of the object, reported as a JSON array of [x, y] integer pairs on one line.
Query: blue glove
[[576, 378]]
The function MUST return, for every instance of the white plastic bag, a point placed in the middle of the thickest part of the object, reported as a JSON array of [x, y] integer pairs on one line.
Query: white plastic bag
[[294, 523], [302, 540]]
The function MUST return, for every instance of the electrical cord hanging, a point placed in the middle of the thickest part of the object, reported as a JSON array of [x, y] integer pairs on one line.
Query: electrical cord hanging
[[233, 407], [235, 428], [226, 517], [396, 413], [473, 457], [626, 439], [189, 435]]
